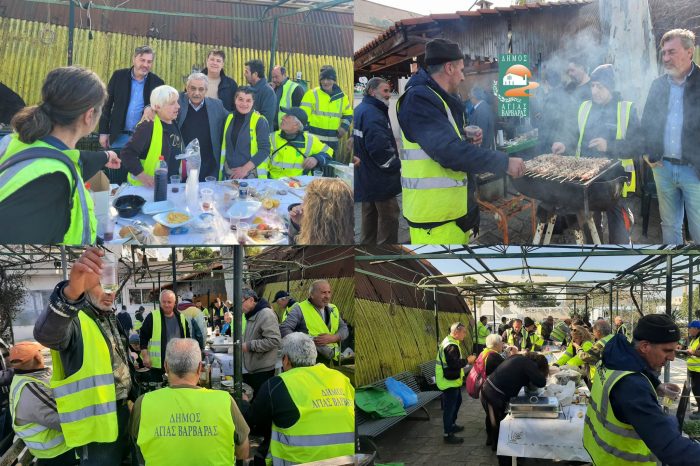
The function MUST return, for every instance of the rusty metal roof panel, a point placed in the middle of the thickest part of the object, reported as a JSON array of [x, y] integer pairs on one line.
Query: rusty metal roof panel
[[316, 32]]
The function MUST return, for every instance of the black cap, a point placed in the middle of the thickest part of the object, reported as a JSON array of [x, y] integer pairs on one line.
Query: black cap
[[281, 294], [527, 322], [439, 51], [657, 328], [297, 112]]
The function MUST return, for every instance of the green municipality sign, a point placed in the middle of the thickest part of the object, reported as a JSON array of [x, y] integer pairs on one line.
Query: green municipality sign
[[514, 80]]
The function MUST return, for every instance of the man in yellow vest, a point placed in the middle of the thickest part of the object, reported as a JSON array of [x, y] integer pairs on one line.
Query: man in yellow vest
[[289, 93], [608, 127], [694, 363], [436, 159], [591, 356], [159, 327], [294, 151], [625, 424], [517, 336], [92, 374], [33, 409], [185, 424], [535, 342], [284, 302], [328, 109], [449, 378], [309, 407], [620, 327], [321, 320], [482, 331]]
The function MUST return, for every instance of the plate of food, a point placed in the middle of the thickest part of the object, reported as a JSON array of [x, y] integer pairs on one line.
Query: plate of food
[[173, 219], [264, 233], [243, 209]]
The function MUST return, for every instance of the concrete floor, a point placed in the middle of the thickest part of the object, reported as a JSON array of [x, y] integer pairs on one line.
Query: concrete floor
[[419, 442]]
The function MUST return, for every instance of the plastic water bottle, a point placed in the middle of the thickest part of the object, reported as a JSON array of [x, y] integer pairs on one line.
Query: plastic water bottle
[[161, 181], [192, 190], [216, 374]]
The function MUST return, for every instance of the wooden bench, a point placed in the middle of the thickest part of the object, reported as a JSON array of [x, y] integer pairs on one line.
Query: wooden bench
[[368, 428], [18, 454]]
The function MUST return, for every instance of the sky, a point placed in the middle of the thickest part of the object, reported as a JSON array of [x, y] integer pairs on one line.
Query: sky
[[448, 266], [435, 6]]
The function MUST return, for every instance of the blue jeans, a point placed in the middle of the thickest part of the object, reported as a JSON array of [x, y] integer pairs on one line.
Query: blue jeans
[[678, 186], [120, 142], [451, 401]]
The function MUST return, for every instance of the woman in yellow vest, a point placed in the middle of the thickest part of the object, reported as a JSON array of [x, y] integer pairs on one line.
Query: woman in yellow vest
[[42, 175], [295, 151], [246, 142], [151, 139]]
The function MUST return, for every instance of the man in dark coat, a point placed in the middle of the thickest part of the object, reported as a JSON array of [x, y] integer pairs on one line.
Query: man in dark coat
[[671, 127], [378, 175], [129, 92], [221, 86], [483, 117], [10, 103]]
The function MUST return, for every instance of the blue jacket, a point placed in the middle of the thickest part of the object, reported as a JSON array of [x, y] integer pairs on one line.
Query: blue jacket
[[635, 403], [378, 177], [423, 120], [484, 118]]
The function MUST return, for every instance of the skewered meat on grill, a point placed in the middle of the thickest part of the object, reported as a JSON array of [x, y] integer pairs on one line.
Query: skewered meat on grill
[[565, 167]]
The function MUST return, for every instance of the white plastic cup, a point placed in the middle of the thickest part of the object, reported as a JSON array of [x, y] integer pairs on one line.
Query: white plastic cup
[[318, 173], [110, 279], [242, 230]]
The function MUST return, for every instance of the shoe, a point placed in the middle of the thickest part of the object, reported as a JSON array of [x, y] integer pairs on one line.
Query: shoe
[[452, 440], [456, 428]]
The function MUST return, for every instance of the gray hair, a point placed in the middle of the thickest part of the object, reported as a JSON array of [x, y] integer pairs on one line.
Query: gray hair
[[687, 37], [603, 326], [182, 355], [456, 326], [316, 283], [144, 49], [163, 95], [198, 77], [493, 340], [300, 349], [166, 292], [297, 121], [373, 84]]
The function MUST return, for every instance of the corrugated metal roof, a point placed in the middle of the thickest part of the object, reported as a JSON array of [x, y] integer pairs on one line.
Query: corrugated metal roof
[[484, 28], [315, 32]]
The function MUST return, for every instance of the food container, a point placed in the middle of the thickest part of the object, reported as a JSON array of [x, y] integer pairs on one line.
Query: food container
[[129, 206], [546, 407]]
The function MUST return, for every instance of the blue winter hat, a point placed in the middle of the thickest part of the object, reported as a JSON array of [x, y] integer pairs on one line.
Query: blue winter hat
[[605, 75], [694, 324]]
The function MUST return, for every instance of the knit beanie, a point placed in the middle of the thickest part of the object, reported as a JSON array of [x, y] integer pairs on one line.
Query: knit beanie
[[605, 75], [439, 51], [527, 322], [328, 72], [657, 328]]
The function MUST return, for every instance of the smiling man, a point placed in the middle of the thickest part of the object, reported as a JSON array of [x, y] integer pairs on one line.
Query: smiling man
[[202, 118], [321, 320], [624, 422], [671, 126], [129, 92]]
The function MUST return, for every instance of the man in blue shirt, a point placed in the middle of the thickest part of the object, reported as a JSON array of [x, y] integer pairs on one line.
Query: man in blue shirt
[[129, 92], [672, 135]]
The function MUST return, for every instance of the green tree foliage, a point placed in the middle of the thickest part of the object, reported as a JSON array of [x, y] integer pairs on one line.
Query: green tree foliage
[[12, 295]]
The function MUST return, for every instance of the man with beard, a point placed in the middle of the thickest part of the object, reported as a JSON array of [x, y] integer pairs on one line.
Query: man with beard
[[378, 175], [92, 376], [321, 320]]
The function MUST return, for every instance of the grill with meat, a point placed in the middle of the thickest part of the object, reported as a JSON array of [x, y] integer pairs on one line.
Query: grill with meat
[[565, 168]]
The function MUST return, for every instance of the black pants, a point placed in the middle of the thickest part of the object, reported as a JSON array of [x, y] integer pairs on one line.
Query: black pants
[[257, 379], [695, 383], [451, 402], [68, 458], [113, 453], [495, 406]]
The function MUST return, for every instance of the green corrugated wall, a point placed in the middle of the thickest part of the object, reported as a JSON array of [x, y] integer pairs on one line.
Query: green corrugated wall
[[31, 49]]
